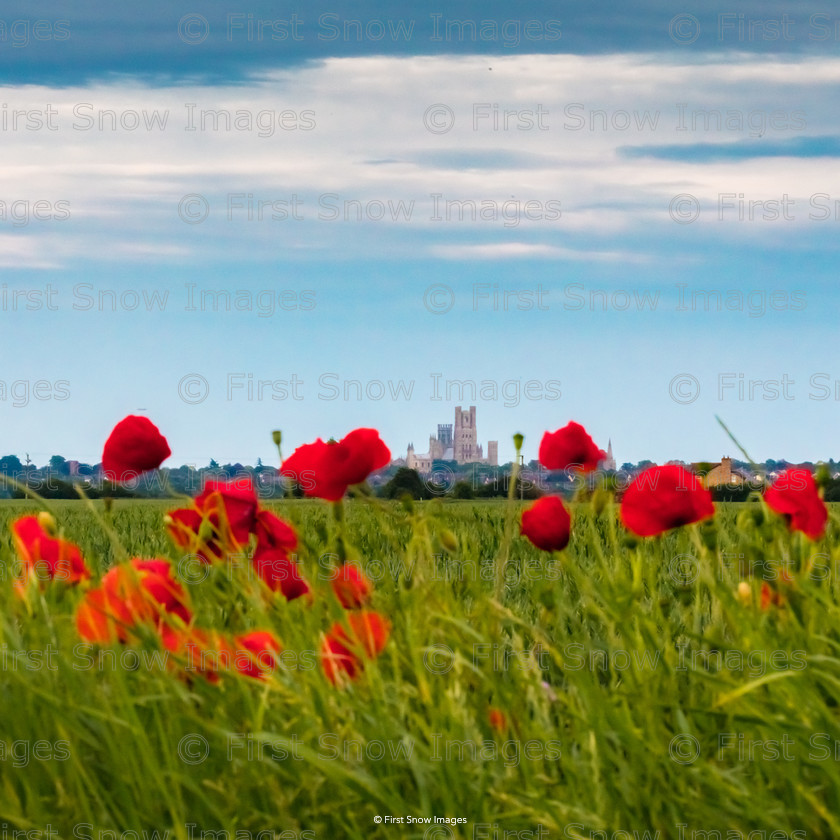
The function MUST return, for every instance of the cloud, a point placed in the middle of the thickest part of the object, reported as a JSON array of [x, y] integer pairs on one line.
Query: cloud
[[333, 162], [796, 147], [527, 250], [212, 43]]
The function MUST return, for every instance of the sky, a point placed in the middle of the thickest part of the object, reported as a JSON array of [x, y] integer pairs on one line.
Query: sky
[[314, 218]]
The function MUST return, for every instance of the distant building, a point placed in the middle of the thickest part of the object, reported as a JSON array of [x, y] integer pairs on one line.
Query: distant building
[[454, 442], [608, 464], [723, 475]]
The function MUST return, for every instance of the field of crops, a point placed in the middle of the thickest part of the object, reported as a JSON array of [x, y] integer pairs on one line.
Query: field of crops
[[620, 688]]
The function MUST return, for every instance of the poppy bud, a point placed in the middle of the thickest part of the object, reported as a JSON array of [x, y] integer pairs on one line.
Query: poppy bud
[[407, 502], [600, 499], [744, 593], [518, 440], [206, 532], [822, 476], [47, 522], [277, 437], [448, 540]]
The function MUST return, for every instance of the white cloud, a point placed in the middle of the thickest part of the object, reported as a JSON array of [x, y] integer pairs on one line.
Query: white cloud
[[125, 185]]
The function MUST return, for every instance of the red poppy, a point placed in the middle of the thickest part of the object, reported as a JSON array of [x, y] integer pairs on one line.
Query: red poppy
[[338, 662], [794, 495], [257, 653], [661, 498], [272, 532], [326, 470], [497, 720], [184, 526], [44, 555], [234, 501], [342, 650], [133, 447], [224, 516], [351, 587], [547, 524], [204, 652], [135, 593], [280, 573], [99, 618], [770, 597], [570, 448]]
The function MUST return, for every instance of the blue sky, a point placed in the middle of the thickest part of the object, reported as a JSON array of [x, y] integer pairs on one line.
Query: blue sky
[[627, 220]]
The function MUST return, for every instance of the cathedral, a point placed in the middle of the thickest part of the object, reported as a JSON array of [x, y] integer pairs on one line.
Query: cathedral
[[608, 464], [458, 442]]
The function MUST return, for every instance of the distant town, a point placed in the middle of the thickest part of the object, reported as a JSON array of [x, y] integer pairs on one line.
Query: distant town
[[455, 466]]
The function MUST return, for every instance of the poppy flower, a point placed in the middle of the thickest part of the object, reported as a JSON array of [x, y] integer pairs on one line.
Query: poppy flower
[[204, 652], [272, 532], [101, 619], [351, 587], [184, 526], [338, 662], [256, 653], [794, 495], [570, 448], [497, 720], [224, 516], [661, 498], [141, 592], [43, 554], [326, 470], [134, 446], [280, 573], [233, 501], [343, 650], [770, 597], [547, 524]]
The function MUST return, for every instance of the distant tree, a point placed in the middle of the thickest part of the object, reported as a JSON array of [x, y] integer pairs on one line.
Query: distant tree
[[10, 465], [734, 493], [704, 467], [628, 467], [462, 490], [832, 490], [59, 465], [406, 481]]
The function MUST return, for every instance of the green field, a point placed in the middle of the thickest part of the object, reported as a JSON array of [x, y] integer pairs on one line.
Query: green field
[[643, 697]]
